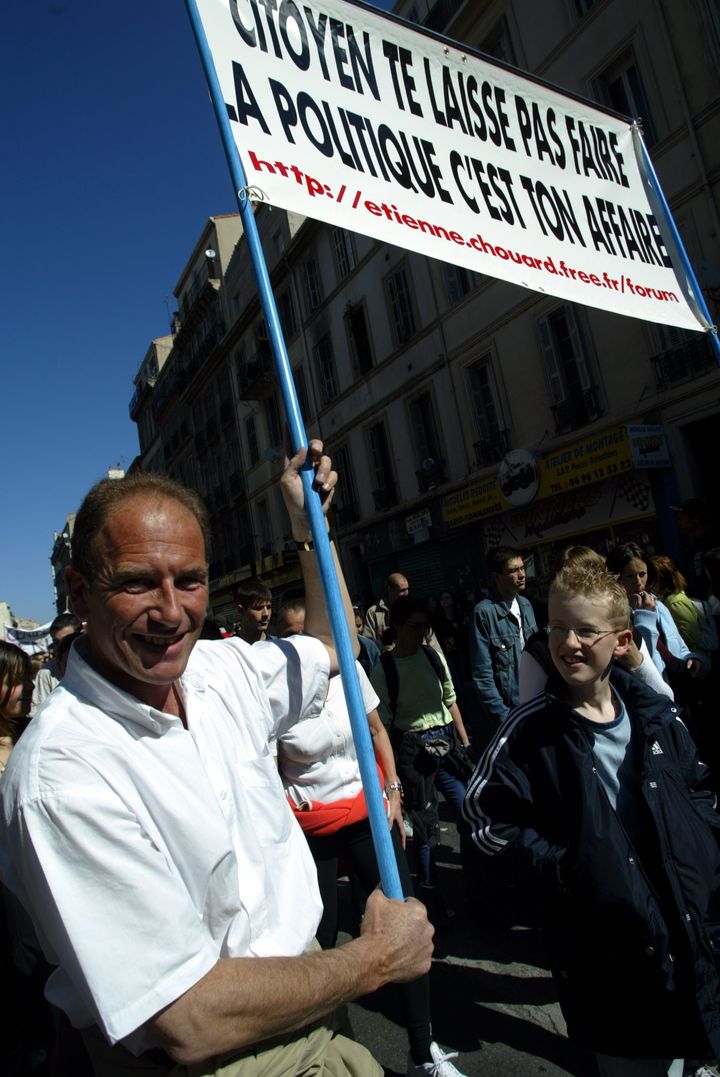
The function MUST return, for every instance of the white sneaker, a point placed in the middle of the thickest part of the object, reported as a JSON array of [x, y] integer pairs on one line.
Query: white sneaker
[[441, 1066]]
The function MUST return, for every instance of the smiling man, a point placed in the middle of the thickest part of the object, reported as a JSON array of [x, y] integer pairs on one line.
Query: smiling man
[[144, 825]]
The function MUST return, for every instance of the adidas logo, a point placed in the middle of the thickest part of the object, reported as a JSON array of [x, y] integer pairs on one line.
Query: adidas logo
[[656, 749]]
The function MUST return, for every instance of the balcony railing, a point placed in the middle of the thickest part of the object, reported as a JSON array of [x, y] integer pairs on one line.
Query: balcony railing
[[690, 359], [139, 395], [256, 379], [430, 475], [194, 361], [491, 450], [201, 292], [577, 411]]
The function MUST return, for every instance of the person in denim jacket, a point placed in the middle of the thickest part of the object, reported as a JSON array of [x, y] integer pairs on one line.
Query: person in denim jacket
[[501, 625]]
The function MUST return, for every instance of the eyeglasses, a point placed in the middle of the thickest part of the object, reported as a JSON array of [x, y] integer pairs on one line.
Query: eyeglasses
[[584, 635]]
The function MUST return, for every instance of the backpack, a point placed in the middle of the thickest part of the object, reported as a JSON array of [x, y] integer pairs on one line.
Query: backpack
[[391, 674]]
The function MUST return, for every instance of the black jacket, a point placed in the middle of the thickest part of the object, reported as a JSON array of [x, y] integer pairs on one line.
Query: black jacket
[[631, 938]]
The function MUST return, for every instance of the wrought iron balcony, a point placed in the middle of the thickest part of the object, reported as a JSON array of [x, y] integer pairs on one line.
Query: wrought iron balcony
[[690, 359], [492, 449], [430, 475], [139, 395], [577, 410], [256, 378], [196, 359], [198, 297]]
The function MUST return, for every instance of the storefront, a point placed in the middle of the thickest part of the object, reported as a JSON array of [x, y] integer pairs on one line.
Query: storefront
[[596, 491]]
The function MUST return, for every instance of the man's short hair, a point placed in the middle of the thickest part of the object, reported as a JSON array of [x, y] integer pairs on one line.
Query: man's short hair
[[65, 620], [108, 495], [403, 608], [290, 607], [250, 591], [499, 557], [597, 586]]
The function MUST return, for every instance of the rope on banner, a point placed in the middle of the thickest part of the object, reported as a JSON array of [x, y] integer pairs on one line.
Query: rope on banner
[[251, 194]]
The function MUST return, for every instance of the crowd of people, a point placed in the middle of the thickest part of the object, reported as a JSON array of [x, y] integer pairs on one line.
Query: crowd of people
[[178, 798]]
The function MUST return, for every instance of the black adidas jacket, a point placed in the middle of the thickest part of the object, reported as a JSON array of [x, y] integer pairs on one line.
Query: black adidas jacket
[[631, 942]]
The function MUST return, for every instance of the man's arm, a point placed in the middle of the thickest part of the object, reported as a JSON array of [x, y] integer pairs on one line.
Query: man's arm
[[482, 671], [317, 622], [243, 1001]]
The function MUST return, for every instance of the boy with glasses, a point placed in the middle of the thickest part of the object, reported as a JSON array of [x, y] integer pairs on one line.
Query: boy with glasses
[[588, 798]]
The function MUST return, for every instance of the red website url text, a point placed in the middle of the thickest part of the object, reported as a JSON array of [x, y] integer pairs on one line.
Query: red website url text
[[316, 189]]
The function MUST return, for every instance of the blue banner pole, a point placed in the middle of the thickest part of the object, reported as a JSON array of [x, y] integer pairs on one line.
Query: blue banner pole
[[656, 195], [341, 635]]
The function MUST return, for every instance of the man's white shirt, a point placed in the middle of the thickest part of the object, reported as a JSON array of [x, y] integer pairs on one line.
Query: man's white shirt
[[146, 851]]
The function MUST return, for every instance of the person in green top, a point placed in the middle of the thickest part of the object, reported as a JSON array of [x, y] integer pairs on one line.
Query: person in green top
[[670, 586], [419, 708]]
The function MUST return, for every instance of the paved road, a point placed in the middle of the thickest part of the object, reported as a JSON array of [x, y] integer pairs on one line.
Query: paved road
[[492, 996]]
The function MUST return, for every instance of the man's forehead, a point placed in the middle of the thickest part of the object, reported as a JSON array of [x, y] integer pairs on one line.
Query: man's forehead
[[144, 518]]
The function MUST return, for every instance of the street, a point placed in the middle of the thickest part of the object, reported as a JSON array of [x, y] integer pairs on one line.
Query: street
[[492, 996]]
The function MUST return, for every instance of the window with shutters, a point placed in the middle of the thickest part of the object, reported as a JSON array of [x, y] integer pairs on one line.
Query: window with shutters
[[621, 87], [345, 252], [493, 437], [358, 336], [458, 282], [325, 366], [345, 502], [575, 399], [431, 469], [302, 393], [381, 469], [286, 312], [400, 303], [313, 285]]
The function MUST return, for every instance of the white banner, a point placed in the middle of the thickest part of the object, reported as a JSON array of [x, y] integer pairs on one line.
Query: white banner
[[31, 640], [346, 115]]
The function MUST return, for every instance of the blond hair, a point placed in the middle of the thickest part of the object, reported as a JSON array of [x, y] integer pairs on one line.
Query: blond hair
[[596, 585]]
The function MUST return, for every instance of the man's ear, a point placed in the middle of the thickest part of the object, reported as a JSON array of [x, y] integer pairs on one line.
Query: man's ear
[[77, 589], [624, 640]]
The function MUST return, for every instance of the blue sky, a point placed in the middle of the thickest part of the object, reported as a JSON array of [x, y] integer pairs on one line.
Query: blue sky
[[111, 165]]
